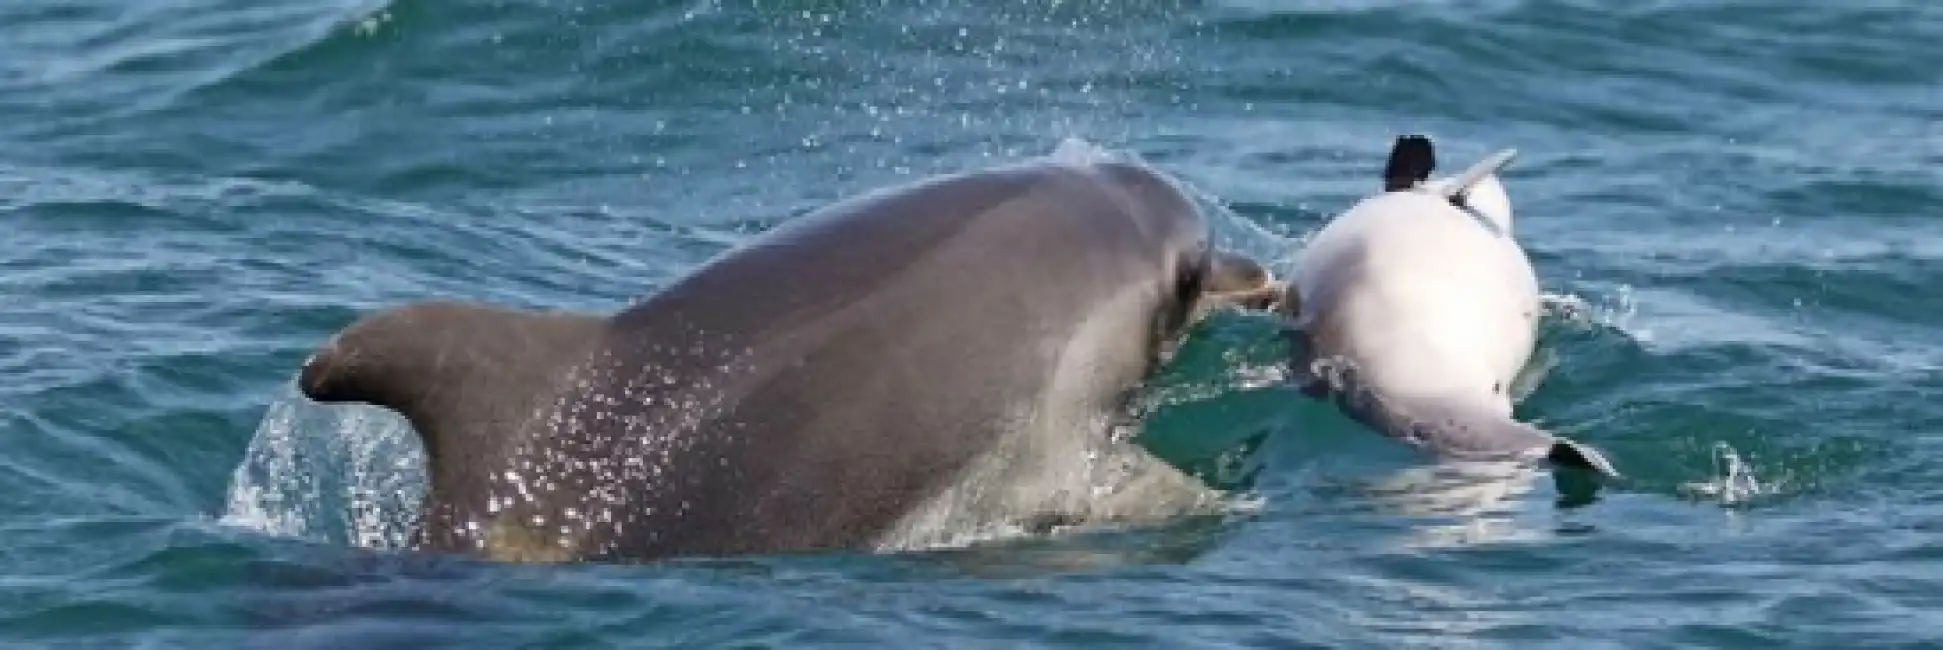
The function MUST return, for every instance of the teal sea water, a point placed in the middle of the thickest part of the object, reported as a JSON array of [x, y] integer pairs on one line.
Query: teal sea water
[[1735, 207]]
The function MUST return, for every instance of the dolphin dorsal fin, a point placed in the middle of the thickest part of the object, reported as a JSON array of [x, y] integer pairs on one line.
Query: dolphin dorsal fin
[[1454, 188], [465, 375], [1413, 158], [1478, 192]]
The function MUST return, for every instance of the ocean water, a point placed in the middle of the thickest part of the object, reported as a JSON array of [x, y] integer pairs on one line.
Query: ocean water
[[1735, 207]]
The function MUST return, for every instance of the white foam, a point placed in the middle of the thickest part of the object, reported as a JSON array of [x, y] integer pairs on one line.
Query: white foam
[[1616, 312], [1733, 482], [337, 474]]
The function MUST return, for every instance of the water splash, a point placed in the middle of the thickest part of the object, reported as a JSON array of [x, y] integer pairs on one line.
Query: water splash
[[1231, 231], [1615, 311], [1073, 150], [1243, 235], [339, 474], [1733, 482], [354, 475]]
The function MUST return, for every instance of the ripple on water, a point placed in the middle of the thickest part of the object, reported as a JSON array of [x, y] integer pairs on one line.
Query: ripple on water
[[196, 193]]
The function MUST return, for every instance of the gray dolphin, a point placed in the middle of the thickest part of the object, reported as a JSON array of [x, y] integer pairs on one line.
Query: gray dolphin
[[821, 387]]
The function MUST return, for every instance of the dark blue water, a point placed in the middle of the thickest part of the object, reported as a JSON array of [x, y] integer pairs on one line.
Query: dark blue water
[[1733, 206]]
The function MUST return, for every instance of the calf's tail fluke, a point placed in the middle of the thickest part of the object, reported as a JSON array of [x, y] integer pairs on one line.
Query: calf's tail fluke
[[1459, 429]]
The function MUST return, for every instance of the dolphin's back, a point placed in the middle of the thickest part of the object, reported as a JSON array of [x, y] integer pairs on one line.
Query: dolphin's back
[[877, 349], [802, 391]]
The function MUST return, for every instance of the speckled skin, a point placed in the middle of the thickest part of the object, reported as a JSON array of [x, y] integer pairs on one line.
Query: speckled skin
[[805, 391]]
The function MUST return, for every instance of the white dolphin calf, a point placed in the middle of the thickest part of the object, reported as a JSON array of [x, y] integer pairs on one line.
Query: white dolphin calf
[[1416, 309]]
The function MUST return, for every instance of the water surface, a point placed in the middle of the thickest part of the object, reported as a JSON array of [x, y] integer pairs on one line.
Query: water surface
[[1732, 203]]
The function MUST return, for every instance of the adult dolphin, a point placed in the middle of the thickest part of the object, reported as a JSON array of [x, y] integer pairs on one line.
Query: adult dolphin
[[930, 348], [1416, 309]]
